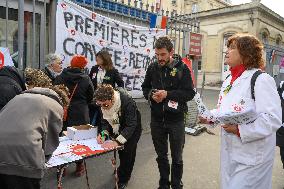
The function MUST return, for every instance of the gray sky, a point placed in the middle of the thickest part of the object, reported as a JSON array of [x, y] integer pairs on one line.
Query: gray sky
[[275, 5]]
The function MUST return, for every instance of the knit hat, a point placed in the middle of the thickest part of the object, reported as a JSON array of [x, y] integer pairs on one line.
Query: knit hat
[[78, 61]]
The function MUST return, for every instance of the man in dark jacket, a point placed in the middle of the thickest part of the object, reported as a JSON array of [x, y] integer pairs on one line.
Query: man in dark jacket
[[280, 132], [122, 122], [12, 83], [29, 133], [168, 86]]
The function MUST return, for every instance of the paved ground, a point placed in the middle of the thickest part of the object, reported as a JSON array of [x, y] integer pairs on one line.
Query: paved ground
[[201, 162]]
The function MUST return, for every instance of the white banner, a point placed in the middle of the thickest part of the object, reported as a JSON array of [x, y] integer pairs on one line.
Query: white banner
[[81, 31], [5, 58]]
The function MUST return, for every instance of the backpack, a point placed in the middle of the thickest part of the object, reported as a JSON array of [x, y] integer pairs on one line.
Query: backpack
[[280, 131]]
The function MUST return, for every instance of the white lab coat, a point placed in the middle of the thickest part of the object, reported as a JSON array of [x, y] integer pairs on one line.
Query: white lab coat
[[247, 161]]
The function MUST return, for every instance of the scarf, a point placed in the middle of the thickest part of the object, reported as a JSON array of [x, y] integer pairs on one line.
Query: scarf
[[100, 76], [236, 72], [112, 114]]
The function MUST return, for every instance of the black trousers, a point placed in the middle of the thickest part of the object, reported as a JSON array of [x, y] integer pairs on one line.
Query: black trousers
[[127, 157], [282, 155], [17, 182], [161, 132]]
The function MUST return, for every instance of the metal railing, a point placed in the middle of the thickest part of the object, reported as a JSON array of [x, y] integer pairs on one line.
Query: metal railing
[[30, 46]]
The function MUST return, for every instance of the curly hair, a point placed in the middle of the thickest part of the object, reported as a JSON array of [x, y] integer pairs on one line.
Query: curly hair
[[164, 42], [106, 57], [250, 49], [62, 92], [104, 92], [37, 78]]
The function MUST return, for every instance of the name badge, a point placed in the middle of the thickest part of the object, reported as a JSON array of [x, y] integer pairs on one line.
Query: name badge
[[173, 104], [94, 75]]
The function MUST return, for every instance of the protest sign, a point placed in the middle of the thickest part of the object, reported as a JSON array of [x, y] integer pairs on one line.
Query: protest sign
[[81, 31], [5, 58]]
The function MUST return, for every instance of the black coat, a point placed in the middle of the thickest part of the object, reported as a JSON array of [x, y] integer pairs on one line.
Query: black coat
[[12, 83], [175, 78], [129, 118], [112, 77], [78, 112], [49, 74], [280, 132]]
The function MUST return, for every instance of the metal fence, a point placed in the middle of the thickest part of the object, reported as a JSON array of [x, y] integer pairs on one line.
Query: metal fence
[[27, 27], [23, 26], [274, 55]]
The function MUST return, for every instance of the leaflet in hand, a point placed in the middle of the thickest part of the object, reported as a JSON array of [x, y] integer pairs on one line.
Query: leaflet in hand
[[245, 116], [204, 112]]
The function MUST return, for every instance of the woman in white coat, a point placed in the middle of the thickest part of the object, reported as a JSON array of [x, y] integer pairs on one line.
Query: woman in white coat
[[247, 150]]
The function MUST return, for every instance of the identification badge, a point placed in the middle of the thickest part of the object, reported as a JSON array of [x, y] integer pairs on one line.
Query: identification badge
[[173, 104], [94, 75]]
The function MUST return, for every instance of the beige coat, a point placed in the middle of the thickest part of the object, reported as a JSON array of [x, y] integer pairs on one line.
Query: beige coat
[[29, 129]]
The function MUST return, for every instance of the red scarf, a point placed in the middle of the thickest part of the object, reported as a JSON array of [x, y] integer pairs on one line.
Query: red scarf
[[236, 72]]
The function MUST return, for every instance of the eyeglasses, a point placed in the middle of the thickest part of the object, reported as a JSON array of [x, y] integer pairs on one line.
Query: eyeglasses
[[103, 104]]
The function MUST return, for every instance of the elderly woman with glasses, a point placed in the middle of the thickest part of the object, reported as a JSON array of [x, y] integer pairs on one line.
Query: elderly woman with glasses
[[121, 122]]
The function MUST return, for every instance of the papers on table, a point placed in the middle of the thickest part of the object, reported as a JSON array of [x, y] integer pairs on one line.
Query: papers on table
[[70, 151]]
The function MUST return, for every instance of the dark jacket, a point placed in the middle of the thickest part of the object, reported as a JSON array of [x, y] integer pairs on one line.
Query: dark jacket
[[78, 112], [49, 73], [129, 117], [175, 78], [112, 77], [280, 132], [29, 132], [12, 83]]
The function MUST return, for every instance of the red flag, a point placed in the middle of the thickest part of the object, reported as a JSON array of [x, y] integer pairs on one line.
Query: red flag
[[1, 60], [189, 65]]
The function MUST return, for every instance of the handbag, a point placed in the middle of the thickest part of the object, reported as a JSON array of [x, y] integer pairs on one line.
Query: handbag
[[65, 109]]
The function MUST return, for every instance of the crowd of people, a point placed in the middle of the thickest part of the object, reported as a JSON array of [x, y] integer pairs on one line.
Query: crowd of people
[[36, 106]]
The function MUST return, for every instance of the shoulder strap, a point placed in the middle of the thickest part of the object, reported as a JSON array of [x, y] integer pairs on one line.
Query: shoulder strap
[[252, 82], [180, 72], [73, 91]]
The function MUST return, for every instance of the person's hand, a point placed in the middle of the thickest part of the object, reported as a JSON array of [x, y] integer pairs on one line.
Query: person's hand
[[109, 144], [159, 95], [203, 120], [99, 139], [155, 97], [231, 128]]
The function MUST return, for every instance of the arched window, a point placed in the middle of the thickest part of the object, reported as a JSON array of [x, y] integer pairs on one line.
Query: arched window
[[264, 35], [278, 40]]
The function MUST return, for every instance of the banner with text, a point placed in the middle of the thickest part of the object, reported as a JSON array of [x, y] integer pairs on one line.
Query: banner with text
[[81, 31]]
